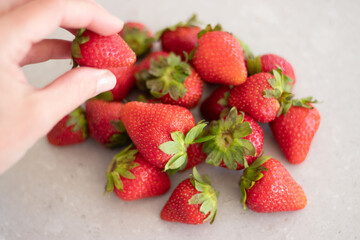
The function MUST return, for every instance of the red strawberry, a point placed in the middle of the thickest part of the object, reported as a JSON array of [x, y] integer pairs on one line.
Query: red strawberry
[[131, 177], [266, 186], [263, 96], [180, 38], [70, 129], [161, 132], [219, 58], [138, 37], [92, 50], [125, 81], [194, 201], [295, 131], [212, 107], [269, 62], [172, 81], [104, 120], [236, 141]]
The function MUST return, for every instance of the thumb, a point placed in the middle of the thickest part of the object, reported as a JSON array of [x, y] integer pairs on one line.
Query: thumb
[[70, 91]]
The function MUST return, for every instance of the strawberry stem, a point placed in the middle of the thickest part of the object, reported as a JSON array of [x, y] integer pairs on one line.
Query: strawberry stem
[[228, 143]]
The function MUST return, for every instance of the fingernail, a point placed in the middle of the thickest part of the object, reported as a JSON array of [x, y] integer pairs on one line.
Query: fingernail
[[106, 82], [117, 21]]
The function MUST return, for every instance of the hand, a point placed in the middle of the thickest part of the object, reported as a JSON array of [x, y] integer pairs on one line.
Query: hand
[[27, 113]]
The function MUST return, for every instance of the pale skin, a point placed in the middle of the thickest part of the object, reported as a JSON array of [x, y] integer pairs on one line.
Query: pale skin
[[27, 113]]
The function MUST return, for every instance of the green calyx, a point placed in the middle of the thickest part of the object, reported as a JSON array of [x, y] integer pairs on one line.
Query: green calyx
[[252, 174], [224, 100], [77, 119], [106, 96], [228, 143], [253, 65], [304, 102], [282, 87], [208, 28], [191, 22], [120, 165], [118, 139], [178, 147], [207, 197], [75, 46], [137, 40], [167, 75]]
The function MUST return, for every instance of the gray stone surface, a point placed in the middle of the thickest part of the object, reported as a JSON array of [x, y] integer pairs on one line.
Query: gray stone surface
[[57, 193]]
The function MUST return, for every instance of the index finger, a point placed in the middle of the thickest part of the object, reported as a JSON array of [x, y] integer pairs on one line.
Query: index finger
[[37, 19]]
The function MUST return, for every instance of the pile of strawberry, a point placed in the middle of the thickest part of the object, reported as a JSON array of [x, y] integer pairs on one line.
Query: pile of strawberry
[[165, 138]]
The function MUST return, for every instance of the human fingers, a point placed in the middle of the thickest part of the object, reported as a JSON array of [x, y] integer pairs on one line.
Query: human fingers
[[39, 18], [6, 6], [67, 93], [47, 49]]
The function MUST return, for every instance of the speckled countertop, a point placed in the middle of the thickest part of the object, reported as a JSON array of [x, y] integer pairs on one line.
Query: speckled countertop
[[57, 193]]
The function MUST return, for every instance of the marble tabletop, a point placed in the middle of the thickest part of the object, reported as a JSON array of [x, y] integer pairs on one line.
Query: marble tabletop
[[57, 193]]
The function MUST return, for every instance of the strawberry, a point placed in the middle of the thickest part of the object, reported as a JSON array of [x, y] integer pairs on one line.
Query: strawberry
[[131, 177], [194, 201], [219, 57], [263, 96], [138, 37], [145, 66], [180, 38], [266, 186], [161, 132], [216, 103], [92, 50], [269, 62], [235, 141], [295, 130], [70, 129], [125, 81], [104, 120], [173, 81]]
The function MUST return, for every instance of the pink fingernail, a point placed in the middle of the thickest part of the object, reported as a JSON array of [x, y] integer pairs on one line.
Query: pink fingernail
[[106, 82]]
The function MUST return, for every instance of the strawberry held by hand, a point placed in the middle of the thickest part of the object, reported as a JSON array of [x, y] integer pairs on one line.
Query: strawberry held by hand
[[161, 132], [105, 125], [92, 50], [131, 177], [173, 81], [194, 201], [269, 62], [295, 130], [138, 37], [180, 38], [266, 186], [125, 81], [219, 57], [236, 141], [70, 129], [263, 96]]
